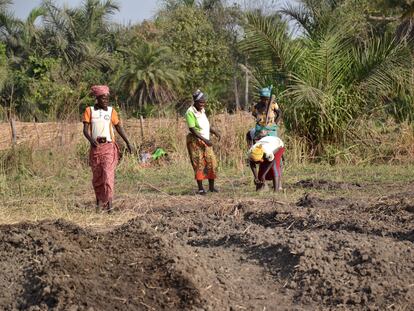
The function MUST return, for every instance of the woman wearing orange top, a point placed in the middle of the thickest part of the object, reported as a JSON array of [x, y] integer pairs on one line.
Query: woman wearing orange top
[[98, 123]]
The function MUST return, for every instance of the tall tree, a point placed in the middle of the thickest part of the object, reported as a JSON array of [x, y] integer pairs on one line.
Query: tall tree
[[150, 74], [204, 52], [327, 78], [77, 35], [22, 38]]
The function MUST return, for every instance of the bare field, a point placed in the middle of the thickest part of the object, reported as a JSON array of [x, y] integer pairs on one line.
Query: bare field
[[337, 238]]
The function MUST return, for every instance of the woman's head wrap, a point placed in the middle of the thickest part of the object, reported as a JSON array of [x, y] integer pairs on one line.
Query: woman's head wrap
[[99, 90], [256, 153], [265, 92], [198, 96]]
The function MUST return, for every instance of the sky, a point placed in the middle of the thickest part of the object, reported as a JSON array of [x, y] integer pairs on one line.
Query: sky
[[131, 10]]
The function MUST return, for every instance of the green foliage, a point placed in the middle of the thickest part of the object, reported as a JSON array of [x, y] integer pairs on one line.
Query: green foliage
[[149, 75], [55, 63], [204, 53], [3, 58], [348, 60], [3, 65], [39, 67], [38, 93], [17, 161], [327, 77], [401, 107], [42, 99]]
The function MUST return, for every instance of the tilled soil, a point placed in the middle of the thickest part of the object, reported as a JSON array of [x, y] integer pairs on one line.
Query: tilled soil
[[220, 254], [59, 266]]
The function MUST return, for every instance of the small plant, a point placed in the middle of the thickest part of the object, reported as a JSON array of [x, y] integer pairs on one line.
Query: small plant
[[17, 161], [82, 152]]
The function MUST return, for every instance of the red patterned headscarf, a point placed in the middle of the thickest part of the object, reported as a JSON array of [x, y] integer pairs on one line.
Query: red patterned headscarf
[[99, 90]]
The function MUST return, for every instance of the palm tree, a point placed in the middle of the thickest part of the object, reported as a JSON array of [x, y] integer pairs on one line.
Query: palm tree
[[94, 16], [405, 29], [77, 35], [174, 4], [150, 74], [3, 66], [20, 37], [314, 17], [326, 78]]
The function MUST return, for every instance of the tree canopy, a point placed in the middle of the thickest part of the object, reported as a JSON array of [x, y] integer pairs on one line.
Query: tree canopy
[[331, 61]]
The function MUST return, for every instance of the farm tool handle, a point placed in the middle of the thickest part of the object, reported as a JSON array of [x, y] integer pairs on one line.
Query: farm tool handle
[[269, 105]]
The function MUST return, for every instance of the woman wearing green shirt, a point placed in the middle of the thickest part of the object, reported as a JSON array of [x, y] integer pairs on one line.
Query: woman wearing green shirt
[[199, 144]]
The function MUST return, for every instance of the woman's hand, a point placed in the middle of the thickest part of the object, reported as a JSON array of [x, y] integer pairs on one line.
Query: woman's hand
[[93, 142], [215, 133], [129, 147], [207, 142], [257, 181]]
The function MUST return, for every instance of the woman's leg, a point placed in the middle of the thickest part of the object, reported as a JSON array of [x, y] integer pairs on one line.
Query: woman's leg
[[260, 186], [196, 157], [280, 171], [211, 167], [211, 187], [98, 186], [200, 185], [97, 207], [279, 167]]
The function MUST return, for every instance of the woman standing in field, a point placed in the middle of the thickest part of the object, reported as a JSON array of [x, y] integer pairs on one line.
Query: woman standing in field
[[98, 122], [267, 118], [199, 144]]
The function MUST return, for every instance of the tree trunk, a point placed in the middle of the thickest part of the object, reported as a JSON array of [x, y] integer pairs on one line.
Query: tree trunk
[[236, 93], [246, 90], [13, 131], [141, 123]]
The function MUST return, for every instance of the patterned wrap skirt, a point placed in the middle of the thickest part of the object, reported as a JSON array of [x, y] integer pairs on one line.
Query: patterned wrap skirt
[[202, 158], [103, 160]]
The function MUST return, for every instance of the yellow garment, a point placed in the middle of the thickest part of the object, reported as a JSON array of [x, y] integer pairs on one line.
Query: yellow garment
[[256, 154], [259, 112]]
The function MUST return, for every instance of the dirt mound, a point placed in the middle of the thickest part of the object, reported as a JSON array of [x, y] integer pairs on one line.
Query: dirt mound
[[311, 200], [398, 203], [219, 254], [59, 266], [321, 184], [262, 254]]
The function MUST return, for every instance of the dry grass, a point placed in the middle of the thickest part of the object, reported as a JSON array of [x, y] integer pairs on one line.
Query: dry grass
[[370, 141], [56, 183], [170, 134], [366, 141]]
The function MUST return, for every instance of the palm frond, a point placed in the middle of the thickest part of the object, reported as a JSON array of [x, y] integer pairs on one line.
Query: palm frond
[[300, 15], [267, 39], [35, 14], [151, 73], [382, 65]]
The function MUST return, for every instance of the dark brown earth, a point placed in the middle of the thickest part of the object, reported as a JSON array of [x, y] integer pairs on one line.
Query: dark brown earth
[[59, 266], [220, 254]]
